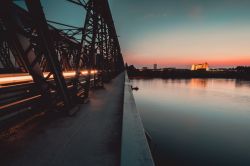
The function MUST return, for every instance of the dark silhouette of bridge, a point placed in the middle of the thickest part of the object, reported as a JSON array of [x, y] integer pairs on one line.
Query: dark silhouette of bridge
[[88, 55], [46, 72]]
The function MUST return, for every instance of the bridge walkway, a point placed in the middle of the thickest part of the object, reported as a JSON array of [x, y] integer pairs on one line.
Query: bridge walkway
[[92, 137]]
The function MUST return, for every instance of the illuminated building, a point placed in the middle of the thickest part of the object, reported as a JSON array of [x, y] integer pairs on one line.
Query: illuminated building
[[203, 66]]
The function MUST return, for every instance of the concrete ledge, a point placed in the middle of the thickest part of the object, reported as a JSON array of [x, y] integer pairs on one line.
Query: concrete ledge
[[135, 150]]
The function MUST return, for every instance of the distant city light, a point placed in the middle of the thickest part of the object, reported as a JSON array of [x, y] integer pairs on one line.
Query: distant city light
[[203, 66]]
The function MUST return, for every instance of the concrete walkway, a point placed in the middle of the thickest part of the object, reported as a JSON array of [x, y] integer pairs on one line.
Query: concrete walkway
[[90, 138]]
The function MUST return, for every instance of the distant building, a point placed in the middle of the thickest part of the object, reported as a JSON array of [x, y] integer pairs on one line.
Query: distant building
[[144, 68], [155, 66], [169, 69], [203, 66]]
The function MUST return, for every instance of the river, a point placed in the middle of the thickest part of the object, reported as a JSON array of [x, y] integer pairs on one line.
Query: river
[[196, 121]]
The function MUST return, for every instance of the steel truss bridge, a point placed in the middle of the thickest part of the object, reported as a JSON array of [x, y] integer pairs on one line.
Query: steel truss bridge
[[46, 67]]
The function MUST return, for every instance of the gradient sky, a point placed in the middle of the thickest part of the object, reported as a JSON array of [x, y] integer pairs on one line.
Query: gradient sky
[[173, 32]]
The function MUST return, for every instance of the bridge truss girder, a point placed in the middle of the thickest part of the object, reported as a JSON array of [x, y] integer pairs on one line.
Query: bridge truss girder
[[38, 47]]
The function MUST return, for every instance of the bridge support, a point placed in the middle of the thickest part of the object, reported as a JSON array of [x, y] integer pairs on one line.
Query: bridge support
[[35, 9], [46, 53], [22, 47]]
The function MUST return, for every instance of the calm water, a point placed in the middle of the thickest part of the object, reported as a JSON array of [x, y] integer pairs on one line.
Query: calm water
[[197, 121]]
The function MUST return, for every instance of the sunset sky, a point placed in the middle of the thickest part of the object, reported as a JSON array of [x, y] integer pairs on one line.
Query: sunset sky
[[174, 32], [182, 32]]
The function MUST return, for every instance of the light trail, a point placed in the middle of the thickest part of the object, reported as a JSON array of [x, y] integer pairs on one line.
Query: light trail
[[14, 79], [19, 102], [20, 78]]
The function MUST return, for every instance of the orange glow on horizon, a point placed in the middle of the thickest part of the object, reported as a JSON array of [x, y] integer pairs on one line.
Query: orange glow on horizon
[[184, 62]]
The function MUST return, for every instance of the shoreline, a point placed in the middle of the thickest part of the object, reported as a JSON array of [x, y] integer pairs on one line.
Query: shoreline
[[188, 74]]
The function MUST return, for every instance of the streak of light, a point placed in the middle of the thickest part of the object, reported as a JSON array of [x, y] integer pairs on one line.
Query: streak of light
[[20, 101], [17, 78], [84, 72], [69, 74], [93, 72]]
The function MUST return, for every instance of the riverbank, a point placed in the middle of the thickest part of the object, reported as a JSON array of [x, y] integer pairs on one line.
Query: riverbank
[[183, 73]]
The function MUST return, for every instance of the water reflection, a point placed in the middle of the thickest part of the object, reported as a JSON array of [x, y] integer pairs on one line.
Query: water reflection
[[197, 121], [242, 83], [200, 83], [229, 84]]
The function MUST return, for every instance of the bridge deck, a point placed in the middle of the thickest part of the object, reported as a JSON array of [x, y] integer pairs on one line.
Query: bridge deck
[[91, 137]]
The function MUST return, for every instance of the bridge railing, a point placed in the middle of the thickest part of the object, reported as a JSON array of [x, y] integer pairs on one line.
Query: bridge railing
[[135, 148]]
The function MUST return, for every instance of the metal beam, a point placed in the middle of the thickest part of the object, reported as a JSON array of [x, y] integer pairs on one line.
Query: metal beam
[[47, 45], [21, 46], [39, 47]]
